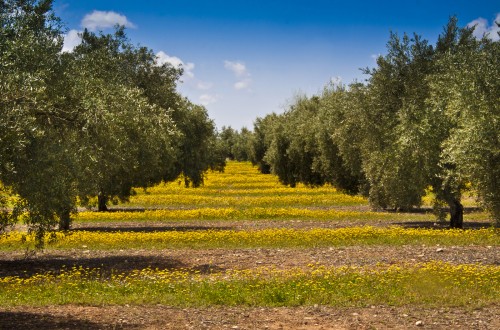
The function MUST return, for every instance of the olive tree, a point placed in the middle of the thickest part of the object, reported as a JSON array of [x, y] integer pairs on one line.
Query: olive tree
[[338, 136], [261, 140], [466, 89], [35, 161], [124, 139]]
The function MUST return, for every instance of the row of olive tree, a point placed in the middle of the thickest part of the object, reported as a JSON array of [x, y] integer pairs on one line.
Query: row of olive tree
[[235, 144], [96, 121], [428, 116]]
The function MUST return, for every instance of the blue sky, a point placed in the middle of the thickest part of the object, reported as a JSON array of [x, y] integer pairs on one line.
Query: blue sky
[[245, 59]]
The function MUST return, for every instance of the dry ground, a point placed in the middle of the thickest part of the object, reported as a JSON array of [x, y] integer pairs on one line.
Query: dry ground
[[314, 317]]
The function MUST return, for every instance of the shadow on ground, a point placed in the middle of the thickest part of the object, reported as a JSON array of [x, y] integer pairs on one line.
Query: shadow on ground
[[441, 225], [106, 264], [147, 229], [24, 320], [429, 210]]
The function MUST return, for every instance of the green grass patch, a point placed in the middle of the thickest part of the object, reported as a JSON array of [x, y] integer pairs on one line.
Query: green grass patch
[[431, 285]]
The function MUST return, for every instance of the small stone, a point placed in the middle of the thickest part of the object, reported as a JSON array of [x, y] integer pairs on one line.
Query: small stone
[[439, 250], [405, 315], [419, 323], [235, 327], [354, 314]]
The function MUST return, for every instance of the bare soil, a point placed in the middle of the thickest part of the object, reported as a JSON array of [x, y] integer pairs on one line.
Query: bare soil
[[314, 317], [215, 260]]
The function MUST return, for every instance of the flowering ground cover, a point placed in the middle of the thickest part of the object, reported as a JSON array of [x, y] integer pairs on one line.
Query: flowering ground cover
[[245, 252]]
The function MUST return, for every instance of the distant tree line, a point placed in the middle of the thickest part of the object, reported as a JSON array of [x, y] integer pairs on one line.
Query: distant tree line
[[93, 122], [427, 117]]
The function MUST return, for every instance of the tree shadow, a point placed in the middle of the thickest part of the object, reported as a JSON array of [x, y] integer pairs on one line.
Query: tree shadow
[[24, 320], [441, 225], [429, 210], [148, 229], [138, 209], [104, 266]]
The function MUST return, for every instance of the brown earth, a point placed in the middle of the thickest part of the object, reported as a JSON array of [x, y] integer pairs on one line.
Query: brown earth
[[306, 318], [215, 260]]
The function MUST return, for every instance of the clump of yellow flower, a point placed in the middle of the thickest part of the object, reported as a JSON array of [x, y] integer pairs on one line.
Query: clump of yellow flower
[[241, 185], [428, 283], [228, 213], [274, 237]]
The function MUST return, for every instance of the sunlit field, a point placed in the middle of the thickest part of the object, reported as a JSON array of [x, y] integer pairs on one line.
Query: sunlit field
[[243, 239], [242, 193]]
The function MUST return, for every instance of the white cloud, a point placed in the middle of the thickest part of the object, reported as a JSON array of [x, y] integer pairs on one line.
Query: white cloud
[[176, 62], [206, 99], [242, 84], [104, 19], [203, 85], [483, 27], [71, 40], [240, 71]]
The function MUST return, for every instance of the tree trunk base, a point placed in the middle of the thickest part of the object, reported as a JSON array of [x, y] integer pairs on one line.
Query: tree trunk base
[[65, 220], [102, 203], [456, 214]]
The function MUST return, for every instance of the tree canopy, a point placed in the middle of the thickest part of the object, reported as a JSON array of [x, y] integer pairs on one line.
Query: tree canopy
[[426, 118], [94, 122]]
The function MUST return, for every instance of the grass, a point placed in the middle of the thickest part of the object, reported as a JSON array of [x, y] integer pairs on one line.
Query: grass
[[430, 284]]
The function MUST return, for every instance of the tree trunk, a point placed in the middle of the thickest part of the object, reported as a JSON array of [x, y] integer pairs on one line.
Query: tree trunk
[[102, 200], [456, 213], [65, 219]]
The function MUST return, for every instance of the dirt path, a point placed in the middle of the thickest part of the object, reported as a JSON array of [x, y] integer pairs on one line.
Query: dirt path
[[214, 260], [314, 317]]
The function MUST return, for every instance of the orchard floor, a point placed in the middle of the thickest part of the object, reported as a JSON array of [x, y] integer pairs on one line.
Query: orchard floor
[[216, 260], [314, 317]]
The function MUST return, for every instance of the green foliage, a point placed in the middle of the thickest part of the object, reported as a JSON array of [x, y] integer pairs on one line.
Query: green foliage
[[293, 149], [426, 117], [236, 145], [93, 122], [34, 158], [261, 140], [339, 137], [198, 150], [124, 139], [467, 90]]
